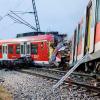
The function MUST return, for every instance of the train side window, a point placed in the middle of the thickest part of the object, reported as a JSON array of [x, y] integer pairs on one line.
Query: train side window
[[0, 49], [18, 49], [98, 10], [34, 48], [28, 49], [22, 49], [3, 49], [10, 49]]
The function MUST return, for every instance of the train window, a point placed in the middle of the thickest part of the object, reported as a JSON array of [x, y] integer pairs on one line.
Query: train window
[[78, 37], [10, 49], [3, 49], [34, 48], [0, 49], [22, 49], [98, 10], [28, 49], [18, 49]]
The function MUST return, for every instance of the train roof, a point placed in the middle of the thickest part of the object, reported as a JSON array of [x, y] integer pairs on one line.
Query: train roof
[[35, 34], [49, 37]]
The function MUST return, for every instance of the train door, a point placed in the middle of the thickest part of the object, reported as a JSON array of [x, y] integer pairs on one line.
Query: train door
[[22, 49], [88, 28], [28, 48], [25, 49], [44, 51], [5, 51], [35, 51]]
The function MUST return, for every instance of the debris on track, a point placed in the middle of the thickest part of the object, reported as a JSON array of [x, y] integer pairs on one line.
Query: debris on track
[[29, 87]]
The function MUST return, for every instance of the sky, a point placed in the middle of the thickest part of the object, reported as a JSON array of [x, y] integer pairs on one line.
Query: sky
[[54, 15]]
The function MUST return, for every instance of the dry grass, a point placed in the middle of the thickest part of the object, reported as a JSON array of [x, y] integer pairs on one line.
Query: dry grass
[[4, 95]]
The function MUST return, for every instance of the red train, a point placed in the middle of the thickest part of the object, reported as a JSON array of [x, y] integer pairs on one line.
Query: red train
[[30, 49], [86, 38]]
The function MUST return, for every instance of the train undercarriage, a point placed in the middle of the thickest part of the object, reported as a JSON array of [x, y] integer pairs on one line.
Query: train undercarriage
[[21, 62]]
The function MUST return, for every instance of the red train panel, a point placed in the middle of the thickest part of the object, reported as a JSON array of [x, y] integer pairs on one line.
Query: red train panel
[[0, 51], [13, 52], [41, 51], [97, 37], [79, 51]]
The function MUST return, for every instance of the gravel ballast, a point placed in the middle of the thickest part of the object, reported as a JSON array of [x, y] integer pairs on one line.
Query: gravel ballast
[[28, 87]]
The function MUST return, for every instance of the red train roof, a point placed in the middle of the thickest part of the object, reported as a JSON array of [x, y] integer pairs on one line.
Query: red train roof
[[29, 38]]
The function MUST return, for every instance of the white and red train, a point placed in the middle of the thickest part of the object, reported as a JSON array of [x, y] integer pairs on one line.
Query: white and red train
[[37, 49], [86, 38]]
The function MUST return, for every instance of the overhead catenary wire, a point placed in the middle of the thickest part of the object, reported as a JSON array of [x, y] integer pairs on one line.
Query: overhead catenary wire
[[16, 6], [23, 12], [16, 21], [22, 20], [19, 21], [6, 15], [2, 17]]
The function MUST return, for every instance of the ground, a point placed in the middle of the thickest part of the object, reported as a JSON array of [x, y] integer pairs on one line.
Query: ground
[[4, 94], [28, 87]]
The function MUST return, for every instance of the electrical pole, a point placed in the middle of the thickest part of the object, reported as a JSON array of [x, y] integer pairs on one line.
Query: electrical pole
[[36, 16]]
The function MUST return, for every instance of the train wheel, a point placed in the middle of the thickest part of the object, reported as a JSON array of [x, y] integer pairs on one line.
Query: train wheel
[[81, 68], [86, 67], [91, 67], [98, 67]]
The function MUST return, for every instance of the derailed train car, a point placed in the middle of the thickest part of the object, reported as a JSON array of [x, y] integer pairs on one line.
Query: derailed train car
[[86, 38], [28, 50]]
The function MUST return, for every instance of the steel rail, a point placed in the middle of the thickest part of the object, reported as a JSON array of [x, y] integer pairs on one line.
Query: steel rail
[[93, 88], [64, 72]]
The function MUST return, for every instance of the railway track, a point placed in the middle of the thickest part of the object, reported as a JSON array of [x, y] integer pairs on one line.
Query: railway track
[[78, 79], [59, 71]]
